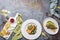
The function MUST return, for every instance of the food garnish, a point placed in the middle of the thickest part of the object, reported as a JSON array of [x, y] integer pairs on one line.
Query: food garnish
[[31, 29], [51, 25]]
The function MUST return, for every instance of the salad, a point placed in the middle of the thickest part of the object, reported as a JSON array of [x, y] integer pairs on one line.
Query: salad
[[31, 29]]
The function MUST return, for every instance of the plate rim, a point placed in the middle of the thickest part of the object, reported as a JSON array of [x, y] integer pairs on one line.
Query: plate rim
[[40, 28], [54, 22]]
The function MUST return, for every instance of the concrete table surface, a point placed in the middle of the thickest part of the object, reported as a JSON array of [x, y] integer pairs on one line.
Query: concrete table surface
[[30, 9]]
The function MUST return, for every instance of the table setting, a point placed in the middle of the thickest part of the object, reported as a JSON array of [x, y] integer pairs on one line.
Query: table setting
[[30, 20]]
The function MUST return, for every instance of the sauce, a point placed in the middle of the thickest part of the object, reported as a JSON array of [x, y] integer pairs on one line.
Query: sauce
[[12, 20]]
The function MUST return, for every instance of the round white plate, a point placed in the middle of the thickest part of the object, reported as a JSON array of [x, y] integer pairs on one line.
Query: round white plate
[[24, 26], [49, 30]]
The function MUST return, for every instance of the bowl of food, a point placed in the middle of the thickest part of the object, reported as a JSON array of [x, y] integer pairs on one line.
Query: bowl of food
[[31, 29], [51, 26]]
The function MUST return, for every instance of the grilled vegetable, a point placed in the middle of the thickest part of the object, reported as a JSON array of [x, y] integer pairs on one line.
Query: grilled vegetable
[[31, 29], [51, 25], [17, 30], [19, 23], [17, 36]]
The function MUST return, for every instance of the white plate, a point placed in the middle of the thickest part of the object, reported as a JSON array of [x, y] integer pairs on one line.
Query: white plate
[[24, 26], [49, 30]]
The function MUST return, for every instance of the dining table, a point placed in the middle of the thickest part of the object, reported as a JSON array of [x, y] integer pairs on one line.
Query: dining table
[[30, 9]]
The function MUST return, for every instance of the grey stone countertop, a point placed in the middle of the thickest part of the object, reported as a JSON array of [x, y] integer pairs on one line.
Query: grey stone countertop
[[30, 9]]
